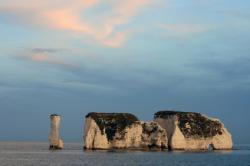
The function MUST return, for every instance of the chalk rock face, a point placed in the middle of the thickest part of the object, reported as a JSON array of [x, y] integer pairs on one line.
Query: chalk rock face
[[54, 138], [193, 131], [122, 131]]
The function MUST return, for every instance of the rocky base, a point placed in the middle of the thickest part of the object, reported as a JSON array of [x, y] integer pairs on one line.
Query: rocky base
[[57, 146], [52, 147]]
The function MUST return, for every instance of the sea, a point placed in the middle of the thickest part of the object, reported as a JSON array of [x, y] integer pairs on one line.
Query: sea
[[37, 154]]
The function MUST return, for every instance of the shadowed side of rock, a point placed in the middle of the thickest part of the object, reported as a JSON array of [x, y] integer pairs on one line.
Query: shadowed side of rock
[[193, 131], [121, 131]]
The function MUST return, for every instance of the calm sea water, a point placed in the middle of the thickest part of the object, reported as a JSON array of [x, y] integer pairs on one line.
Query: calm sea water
[[37, 154]]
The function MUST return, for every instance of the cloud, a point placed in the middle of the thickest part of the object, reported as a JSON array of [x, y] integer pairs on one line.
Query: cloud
[[236, 13], [116, 40], [184, 30], [46, 56], [45, 50], [123, 11], [71, 16]]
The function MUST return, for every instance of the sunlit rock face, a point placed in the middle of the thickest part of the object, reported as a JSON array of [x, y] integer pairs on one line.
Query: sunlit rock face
[[122, 131], [54, 138], [193, 131]]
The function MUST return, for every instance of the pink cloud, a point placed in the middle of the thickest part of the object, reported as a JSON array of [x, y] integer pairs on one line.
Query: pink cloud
[[69, 15], [48, 59], [63, 19], [116, 40], [122, 12], [40, 58]]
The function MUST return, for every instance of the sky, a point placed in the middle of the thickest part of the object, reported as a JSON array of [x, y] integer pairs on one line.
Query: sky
[[72, 57]]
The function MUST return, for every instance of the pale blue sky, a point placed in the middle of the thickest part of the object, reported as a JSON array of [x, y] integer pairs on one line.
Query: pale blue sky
[[73, 57]]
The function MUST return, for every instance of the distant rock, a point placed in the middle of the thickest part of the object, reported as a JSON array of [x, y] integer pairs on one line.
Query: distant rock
[[54, 138], [122, 131], [193, 131]]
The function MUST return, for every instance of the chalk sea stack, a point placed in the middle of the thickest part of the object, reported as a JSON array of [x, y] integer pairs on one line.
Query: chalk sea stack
[[54, 138], [122, 131], [193, 131]]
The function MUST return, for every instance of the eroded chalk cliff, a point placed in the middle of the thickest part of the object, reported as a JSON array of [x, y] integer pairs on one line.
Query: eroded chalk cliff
[[193, 131], [122, 131]]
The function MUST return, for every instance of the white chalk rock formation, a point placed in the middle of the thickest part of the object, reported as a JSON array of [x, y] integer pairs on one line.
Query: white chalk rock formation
[[193, 131], [54, 138], [122, 131]]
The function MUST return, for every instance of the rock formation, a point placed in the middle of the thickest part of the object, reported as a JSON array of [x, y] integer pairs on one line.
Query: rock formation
[[193, 131], [55, 141], [122, 131]]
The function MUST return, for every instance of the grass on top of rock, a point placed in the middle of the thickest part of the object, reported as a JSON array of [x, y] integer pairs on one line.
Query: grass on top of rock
[[113, 122], [193, 124], [54, 115]]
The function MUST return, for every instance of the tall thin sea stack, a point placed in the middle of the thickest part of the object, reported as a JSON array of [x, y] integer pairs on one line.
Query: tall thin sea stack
[[54, 138]]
